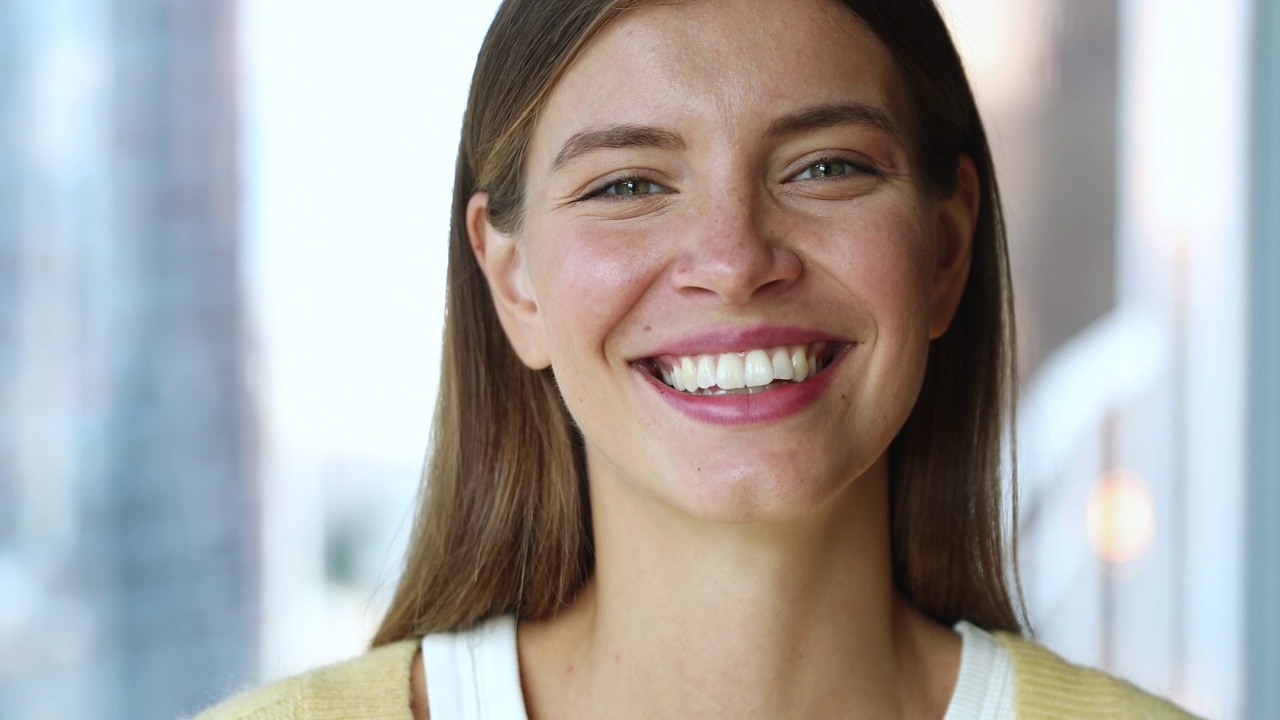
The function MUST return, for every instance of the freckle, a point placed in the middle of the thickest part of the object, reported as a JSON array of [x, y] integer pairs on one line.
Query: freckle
[[648, 328]]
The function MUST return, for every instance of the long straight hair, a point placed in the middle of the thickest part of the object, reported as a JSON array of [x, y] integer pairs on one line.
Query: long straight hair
[[504, 524]]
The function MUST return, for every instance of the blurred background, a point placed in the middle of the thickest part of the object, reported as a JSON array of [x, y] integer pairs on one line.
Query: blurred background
[[222, 243]]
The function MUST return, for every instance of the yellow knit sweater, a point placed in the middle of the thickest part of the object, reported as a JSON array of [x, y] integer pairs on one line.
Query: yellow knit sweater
[[375, 686]]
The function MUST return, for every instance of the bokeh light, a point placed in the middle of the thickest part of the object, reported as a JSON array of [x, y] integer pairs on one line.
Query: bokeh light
[[1121, 517]]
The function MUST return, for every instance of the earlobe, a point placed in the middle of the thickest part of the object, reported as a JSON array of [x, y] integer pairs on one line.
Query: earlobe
[[502, 262], [957, 224]]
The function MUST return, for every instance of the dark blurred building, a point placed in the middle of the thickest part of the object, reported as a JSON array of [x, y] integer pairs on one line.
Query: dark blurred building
[[128, 541], [1060, 177]]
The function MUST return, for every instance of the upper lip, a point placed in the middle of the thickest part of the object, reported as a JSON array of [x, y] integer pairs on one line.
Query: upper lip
[[724, 340]]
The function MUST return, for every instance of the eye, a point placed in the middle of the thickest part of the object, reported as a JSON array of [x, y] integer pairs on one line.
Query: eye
[[630, 187], [829, 169]]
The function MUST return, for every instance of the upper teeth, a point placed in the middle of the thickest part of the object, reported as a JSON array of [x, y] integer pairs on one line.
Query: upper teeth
[[746, 369]]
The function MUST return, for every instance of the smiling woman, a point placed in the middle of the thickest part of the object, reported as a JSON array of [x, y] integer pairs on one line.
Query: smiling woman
[[728, 354]]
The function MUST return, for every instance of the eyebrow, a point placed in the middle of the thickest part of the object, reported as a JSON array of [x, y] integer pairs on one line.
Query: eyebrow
[[615, 136], [833, 114], [644, 136]]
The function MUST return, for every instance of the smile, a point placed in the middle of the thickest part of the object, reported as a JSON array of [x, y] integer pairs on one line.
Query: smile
[[744, 372]]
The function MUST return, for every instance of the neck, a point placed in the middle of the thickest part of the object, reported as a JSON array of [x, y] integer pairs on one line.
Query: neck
[[790, 619]]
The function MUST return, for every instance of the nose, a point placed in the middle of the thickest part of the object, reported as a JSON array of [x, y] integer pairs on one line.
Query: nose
[[731, 253]]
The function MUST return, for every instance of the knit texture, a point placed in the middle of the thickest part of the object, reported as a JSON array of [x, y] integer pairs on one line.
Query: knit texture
[[373, 686], [376, 686], [1049, 688]]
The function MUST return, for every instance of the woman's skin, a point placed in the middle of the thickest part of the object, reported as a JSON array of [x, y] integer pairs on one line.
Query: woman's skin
[[712, 177]]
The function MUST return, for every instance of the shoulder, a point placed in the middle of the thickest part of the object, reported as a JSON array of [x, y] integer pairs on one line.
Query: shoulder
[[1048, 686], [375, 685]]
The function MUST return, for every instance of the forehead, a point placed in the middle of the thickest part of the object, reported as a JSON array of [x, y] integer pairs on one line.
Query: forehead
[[726, 64]]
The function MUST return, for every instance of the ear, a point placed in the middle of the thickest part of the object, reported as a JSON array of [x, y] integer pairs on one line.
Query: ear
[[957, 222], [502, 262]]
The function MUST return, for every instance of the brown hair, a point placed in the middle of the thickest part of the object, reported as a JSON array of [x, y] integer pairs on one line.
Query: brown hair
[[504, 525]]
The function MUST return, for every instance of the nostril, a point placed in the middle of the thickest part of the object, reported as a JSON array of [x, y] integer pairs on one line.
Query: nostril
[[735, 268], [730, 289], [774, 284]]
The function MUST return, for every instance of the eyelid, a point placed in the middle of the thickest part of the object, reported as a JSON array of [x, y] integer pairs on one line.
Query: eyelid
[[861, 165], [597, 189]]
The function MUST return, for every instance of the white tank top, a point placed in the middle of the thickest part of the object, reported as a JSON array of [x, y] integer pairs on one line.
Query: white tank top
[[475, 675]]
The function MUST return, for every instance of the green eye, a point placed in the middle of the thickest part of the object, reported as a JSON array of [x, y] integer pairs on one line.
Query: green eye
[[826, 169], [633, 186]]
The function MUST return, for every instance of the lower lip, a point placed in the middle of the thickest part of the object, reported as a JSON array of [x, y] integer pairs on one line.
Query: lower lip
[[743, 409]]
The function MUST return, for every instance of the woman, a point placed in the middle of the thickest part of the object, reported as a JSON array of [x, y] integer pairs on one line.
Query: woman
[[728, 353]]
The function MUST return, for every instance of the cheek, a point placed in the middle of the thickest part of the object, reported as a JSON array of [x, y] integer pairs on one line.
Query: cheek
[[587, 280], [885, 260]]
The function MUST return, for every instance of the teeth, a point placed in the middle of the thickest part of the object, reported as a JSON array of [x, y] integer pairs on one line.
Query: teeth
[[751, 369], [782, 367], [759, 370], [799, 364], [730, 374], [689, 370], [706, 371]]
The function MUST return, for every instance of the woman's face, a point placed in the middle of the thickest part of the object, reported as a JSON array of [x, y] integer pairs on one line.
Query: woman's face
[[722, 200]]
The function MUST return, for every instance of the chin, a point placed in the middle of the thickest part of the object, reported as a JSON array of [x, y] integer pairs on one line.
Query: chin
[[743, 483], [747, 495]]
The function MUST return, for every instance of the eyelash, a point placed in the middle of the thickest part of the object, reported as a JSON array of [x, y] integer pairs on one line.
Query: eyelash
[[599, 191], [857, 168]]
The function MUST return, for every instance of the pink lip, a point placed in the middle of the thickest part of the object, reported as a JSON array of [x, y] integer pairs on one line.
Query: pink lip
[[719, 341], [732, 410]]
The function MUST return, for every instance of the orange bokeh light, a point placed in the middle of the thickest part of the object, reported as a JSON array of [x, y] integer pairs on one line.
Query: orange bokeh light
[[1121, 517]]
